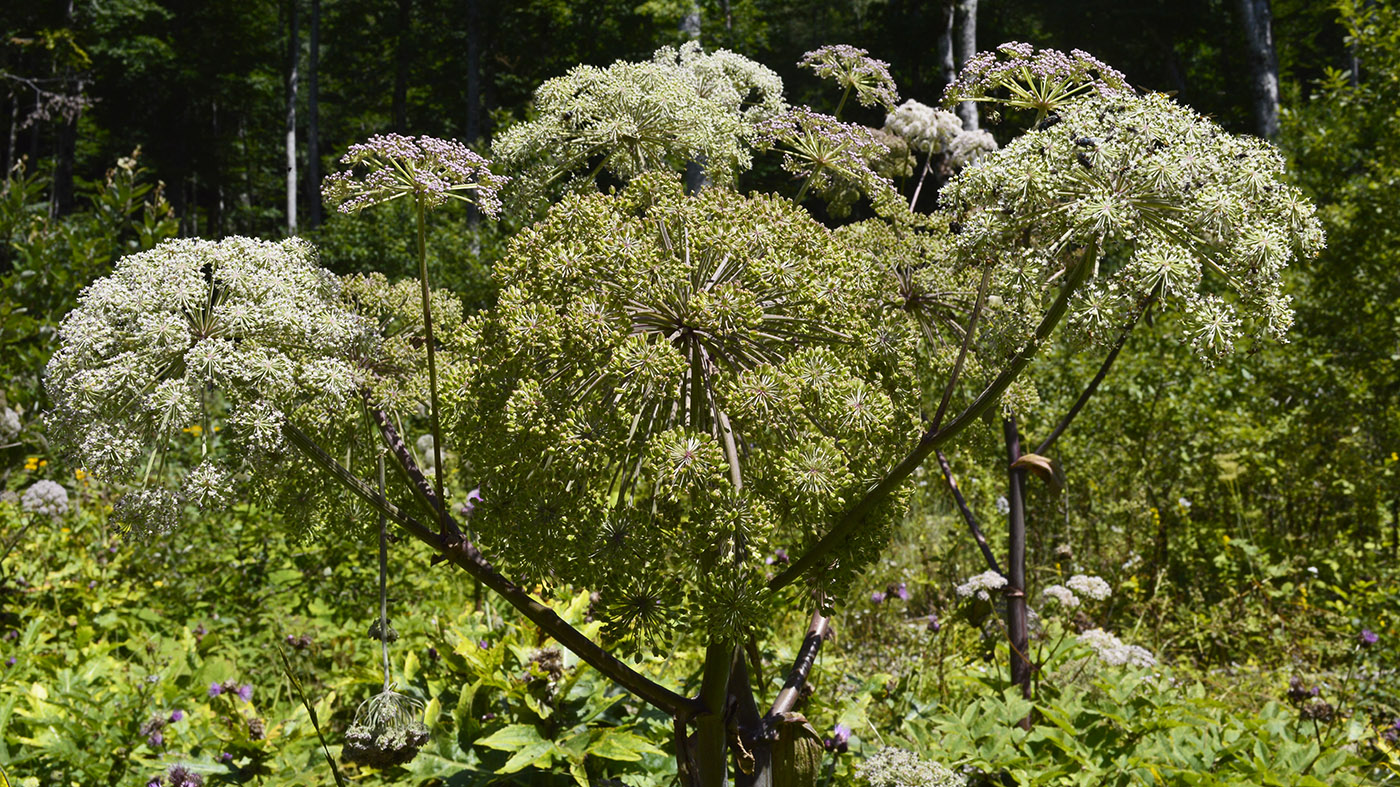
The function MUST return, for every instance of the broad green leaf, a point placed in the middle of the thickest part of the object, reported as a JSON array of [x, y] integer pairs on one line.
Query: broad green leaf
[[512, 737]]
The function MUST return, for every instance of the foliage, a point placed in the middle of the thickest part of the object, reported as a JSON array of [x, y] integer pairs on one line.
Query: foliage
[[45, 262]]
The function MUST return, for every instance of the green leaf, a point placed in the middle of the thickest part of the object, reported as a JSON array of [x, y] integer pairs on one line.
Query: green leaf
[[537, 754], [512, 737], [621, 745]]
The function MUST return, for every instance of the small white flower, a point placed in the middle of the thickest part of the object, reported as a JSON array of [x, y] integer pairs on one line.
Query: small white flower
[[1063, 595], [1093, 587], [1114, 652], [1003, 506], [980, 584]]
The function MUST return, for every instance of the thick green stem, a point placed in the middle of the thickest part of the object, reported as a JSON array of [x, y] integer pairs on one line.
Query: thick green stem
[[432, 358], [711, 732], [383, 577], [933, 439]]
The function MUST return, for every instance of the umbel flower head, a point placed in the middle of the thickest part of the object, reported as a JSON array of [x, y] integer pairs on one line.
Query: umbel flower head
[[1155, 198], [682, 107], [928, 130], [669, 387], [45, 497], [389, 166], [229, 337], [1019, 76], [387, 731], [855, 71], [892, 767]]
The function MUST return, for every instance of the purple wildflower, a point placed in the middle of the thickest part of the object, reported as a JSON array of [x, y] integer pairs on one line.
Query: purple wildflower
[[156, 738], [215, 689], [176, 715], [1368, 638], [839, 740], [901, 590], [245, 692], [10, 662], [878, 597], [180, 776], [154, 782], [933, 625], [226, 758]]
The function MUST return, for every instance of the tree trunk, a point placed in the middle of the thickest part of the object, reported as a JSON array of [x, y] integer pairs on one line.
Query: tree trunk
[[293, 50], [313, 143], [14, 136], [1018, 632], [401, 66], [473, 71], [690, 23], [965, 46], [944, 50], [1257, 21], [65, 142]]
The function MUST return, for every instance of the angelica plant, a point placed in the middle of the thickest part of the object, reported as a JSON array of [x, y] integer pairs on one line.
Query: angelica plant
[[674, 385]]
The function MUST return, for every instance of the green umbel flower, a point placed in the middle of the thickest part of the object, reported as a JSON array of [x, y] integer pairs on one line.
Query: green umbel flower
[[680, 384]]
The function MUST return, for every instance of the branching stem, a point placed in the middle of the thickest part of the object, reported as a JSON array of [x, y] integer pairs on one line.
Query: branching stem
[[933, 439], [466, 556]]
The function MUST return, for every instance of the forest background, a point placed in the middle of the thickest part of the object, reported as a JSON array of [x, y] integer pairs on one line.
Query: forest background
[[1248, 515]]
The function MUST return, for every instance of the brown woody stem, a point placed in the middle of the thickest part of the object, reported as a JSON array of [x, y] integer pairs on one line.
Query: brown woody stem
[[466, 556]]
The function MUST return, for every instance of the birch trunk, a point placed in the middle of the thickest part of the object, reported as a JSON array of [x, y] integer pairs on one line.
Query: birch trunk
[[292, 52], [1257, 20]]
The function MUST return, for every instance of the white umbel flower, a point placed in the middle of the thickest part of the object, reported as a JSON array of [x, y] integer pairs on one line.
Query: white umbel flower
[[1063, 595], [926, 129], [1116, 653], [981, 584], [45, 497], [9, 424], [1093, 587], [230, 333]]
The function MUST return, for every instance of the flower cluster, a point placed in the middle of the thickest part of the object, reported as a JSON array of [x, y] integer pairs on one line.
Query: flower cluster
[[682, 381], [854, 70], [1086, 585], [681, 108], [10, 425], [239, 332], [386, 731], [926, 129], [837, 160], [1019, 76], [892, 767], [47, 498], [389, 166], [1151, 197], [1114, 652], [981, 584], [178, 776], [1063, 595], [968, 148], [243, 691]]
